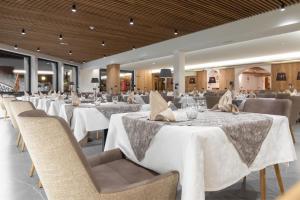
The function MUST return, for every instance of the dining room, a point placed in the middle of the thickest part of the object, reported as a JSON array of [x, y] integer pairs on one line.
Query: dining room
[[149, 100]]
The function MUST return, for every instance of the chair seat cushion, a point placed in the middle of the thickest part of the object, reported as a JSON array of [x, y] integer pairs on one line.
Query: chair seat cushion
[[120, 173]]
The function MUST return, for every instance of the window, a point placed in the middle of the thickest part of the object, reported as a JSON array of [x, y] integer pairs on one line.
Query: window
[[126, 80], [47, 75], [70, 78], [14, 72]]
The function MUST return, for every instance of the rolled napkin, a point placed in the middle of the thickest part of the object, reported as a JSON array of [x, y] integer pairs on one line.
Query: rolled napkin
[[131, 99], [159, 110]]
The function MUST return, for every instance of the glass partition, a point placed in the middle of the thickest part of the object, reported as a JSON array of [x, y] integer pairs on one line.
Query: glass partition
[[47, 75], [70, 78], [14, 72]]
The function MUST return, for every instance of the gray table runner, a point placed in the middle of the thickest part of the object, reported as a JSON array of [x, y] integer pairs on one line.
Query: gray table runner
[[106, 110], [245, 131]]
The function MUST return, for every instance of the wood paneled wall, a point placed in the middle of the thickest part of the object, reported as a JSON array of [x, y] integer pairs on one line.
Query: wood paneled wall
[[189, 86], [201, 80], [113, 78], [291, 70], [144, 80], [226, 75]]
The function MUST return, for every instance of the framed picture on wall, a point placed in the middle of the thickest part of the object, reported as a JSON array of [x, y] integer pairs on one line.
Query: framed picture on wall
[[192, 81]]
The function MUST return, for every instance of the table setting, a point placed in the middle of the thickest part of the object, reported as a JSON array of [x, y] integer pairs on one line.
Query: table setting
[[163, 139]]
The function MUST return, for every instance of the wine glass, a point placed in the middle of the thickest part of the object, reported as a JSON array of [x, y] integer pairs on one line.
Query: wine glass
[[115, 99]]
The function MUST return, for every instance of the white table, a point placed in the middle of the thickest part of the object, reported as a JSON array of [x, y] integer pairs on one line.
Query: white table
[[204, 157], [87, 118], [55, 107]]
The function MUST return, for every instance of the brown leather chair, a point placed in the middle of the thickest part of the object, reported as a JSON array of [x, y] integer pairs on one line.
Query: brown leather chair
[[67, 175], [273, 107]]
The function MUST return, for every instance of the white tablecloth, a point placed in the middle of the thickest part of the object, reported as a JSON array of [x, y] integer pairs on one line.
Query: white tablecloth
[[55, 107], [204, 157], [87, 119], [44, 104]]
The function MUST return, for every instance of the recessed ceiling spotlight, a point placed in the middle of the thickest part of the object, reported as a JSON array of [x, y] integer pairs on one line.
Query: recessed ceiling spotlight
[[63, 43], [60, 37], [103, 43], [175, 32], [92, 28], [131, 22], [23, 32], [74, 9], [16, 47], [38, 49], [153, 63], [70, 52]]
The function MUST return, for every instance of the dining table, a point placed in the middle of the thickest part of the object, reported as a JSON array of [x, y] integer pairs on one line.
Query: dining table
[[88, 117], [210, 153]]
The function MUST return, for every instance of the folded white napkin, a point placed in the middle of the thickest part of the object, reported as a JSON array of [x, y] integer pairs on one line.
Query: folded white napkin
[[159, 110], [225, 103]]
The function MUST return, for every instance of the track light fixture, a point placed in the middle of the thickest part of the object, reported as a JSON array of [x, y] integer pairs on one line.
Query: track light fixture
[[38, 49], [16, 46], [74, 9], [282, 6], [70, 52], [60, 37], [103, 43], [175, 32], [23, 32], [131, 22]]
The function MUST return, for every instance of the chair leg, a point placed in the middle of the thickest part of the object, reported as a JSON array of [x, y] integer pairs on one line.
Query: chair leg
[[23, 146], [32, 169], [40, 184], [279, 178], [18, 139], [262, 184]]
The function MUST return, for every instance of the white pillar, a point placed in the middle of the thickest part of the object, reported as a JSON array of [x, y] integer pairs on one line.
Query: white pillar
[[179, 73], [34, 74], [60, 72], [26, 76], [54, 81]]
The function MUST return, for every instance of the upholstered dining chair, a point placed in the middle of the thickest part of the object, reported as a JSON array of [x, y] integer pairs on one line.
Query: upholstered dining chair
[[211, 101], [272, 107], [292, 194], [16, 108], [6, 100], [295, 109], [67, 175]]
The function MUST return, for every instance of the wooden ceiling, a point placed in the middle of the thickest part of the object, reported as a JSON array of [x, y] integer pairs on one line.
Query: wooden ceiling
[[154, 21]]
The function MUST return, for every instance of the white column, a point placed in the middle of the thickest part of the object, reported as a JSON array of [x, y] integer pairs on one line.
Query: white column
[[34, 74], [179, 73], [26, 76], [54, 81], [60, 72]]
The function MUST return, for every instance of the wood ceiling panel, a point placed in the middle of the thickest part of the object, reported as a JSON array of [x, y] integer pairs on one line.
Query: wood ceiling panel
[[155, 21]]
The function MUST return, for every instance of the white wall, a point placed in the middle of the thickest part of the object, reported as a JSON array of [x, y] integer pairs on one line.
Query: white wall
[[85, 77], [251, 82], [240, 69]]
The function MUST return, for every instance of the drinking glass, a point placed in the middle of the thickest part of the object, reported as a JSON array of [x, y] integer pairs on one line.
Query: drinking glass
[[115, 99]]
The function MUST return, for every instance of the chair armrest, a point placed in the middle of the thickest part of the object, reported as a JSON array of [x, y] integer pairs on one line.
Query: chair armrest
[[160, 187], [105, 157]]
